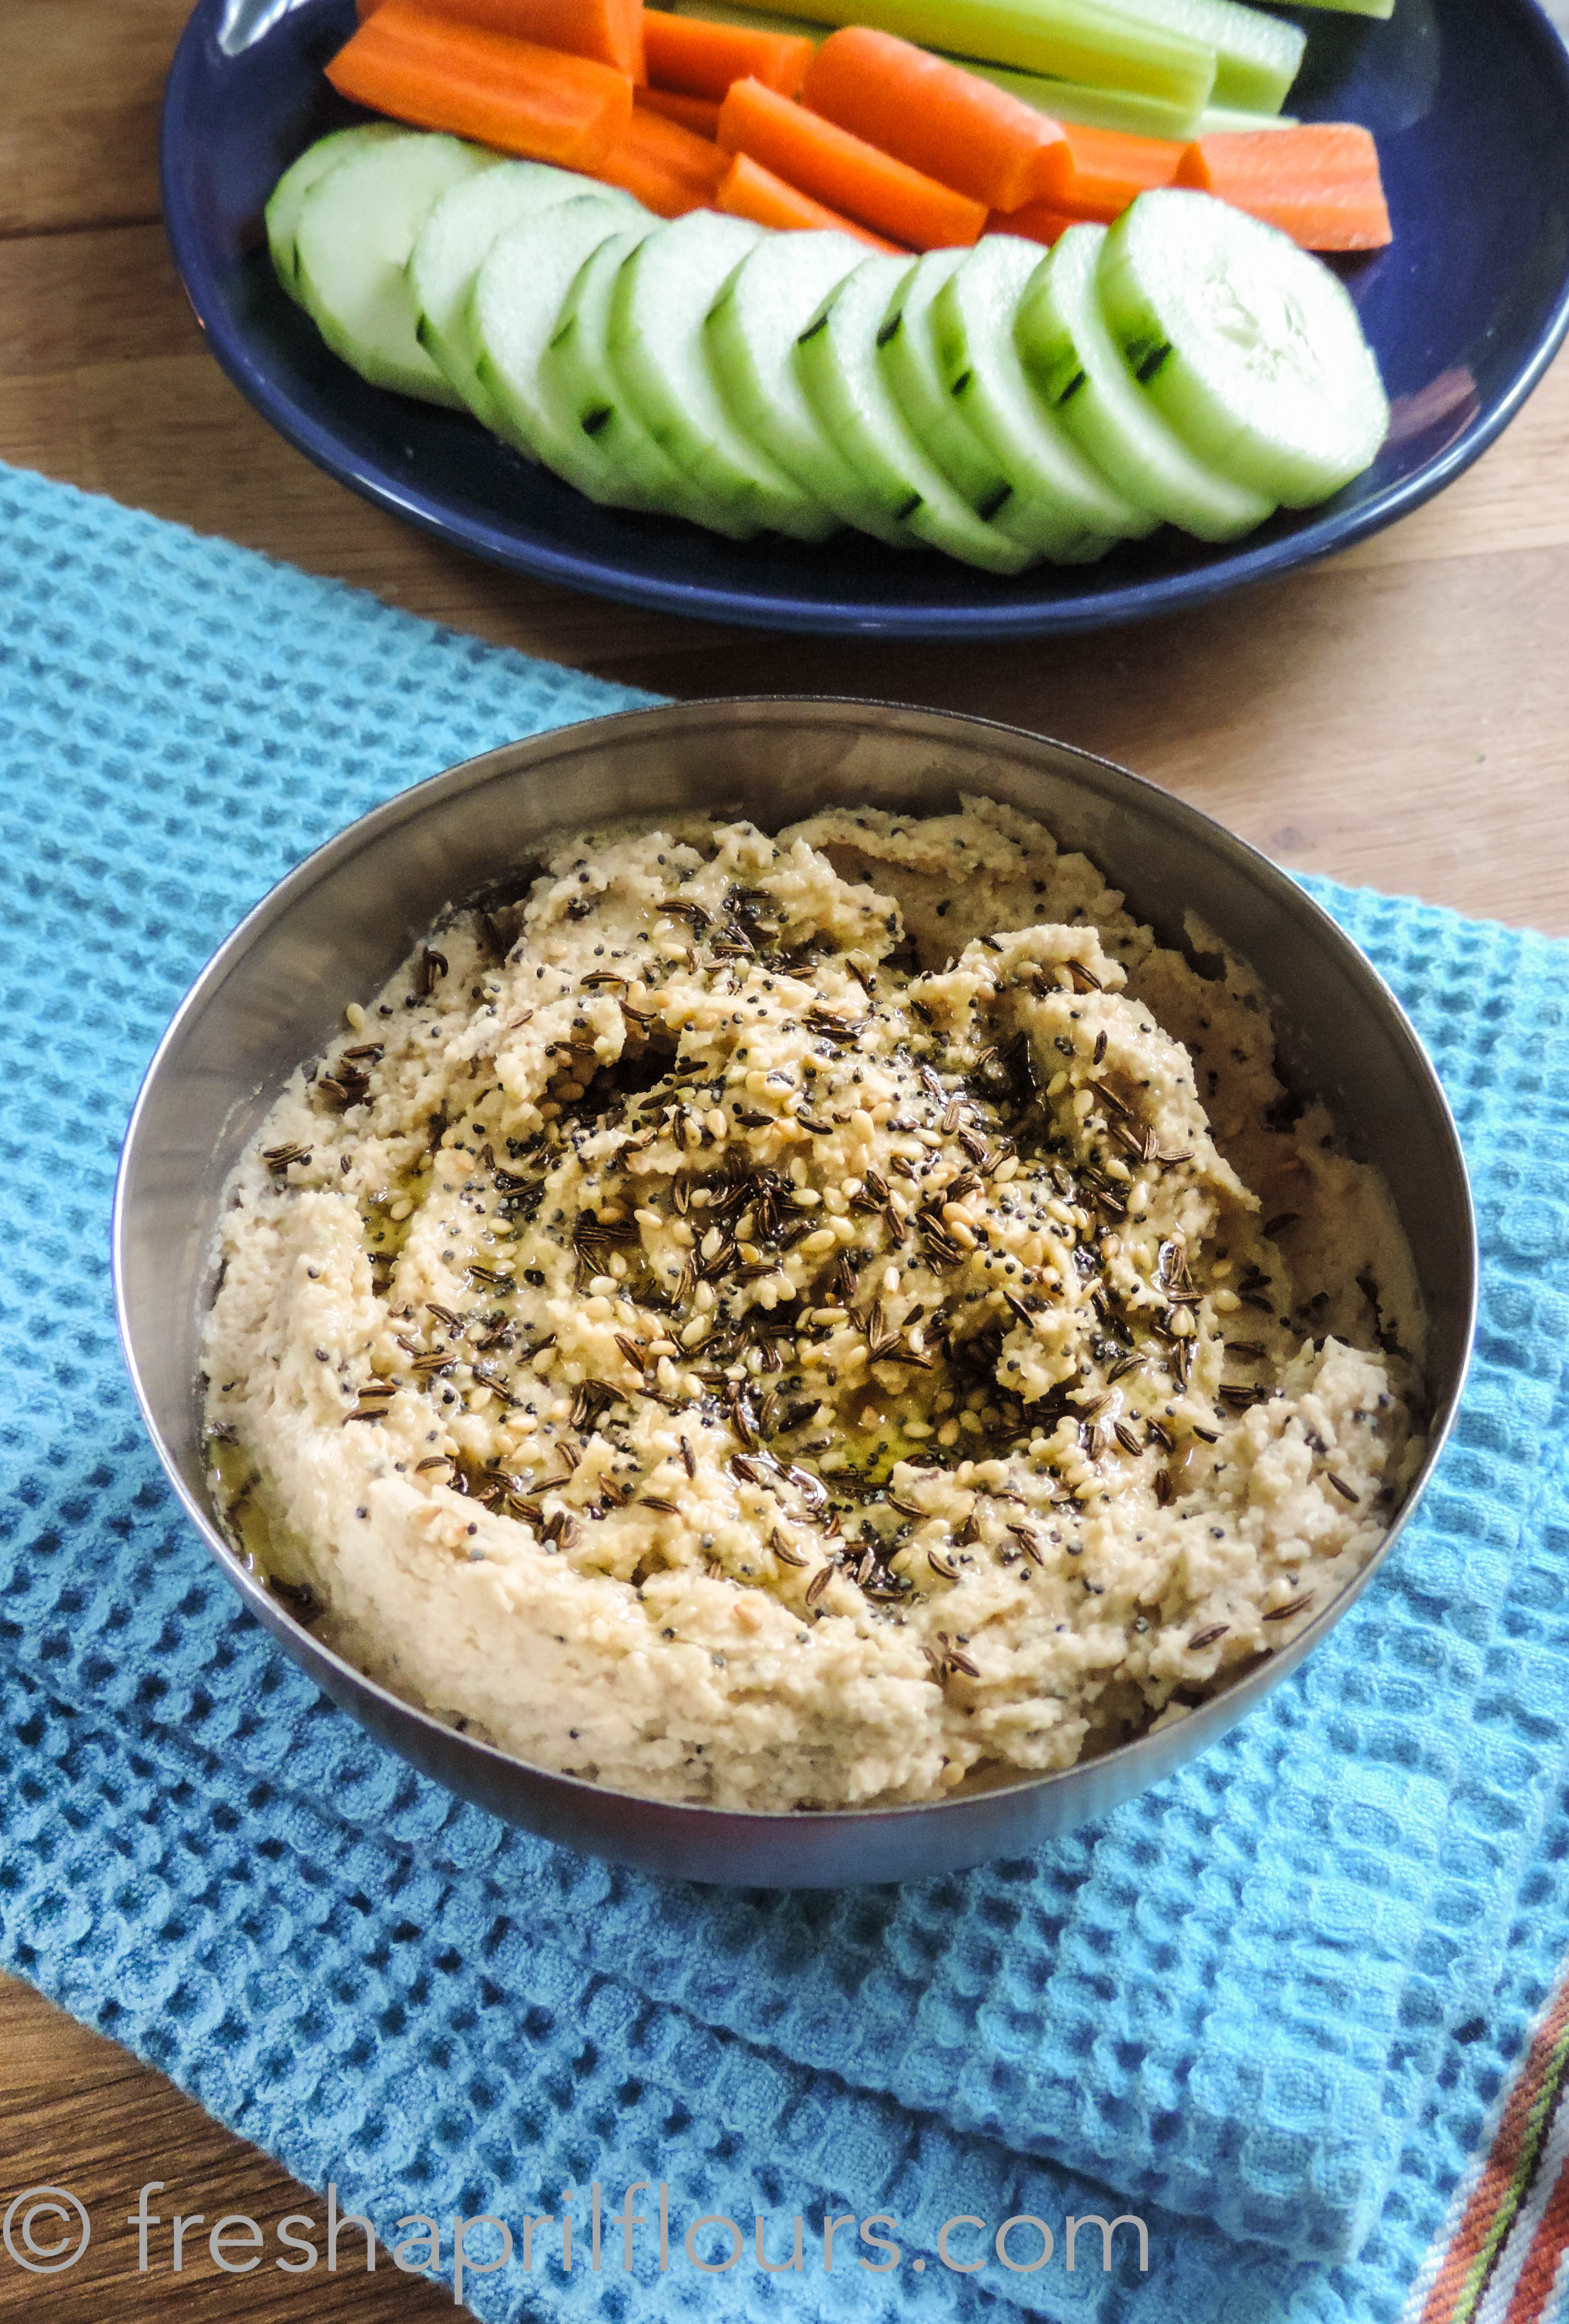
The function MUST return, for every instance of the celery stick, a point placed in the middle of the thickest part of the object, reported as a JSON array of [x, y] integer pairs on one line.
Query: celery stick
[[1216, 118], [1256, 57], [762, 20], [1062, 100], [1119, 108], [1079, 40], [1065, 100], [1092, 108]]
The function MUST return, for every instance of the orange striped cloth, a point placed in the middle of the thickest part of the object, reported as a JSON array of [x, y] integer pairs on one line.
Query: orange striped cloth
[[1503, 2255]]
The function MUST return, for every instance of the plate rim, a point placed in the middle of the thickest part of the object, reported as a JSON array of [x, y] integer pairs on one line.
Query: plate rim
[[589, 574]]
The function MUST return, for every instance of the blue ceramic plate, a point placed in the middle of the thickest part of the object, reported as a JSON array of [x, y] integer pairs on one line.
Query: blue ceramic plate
[[1469, 102]]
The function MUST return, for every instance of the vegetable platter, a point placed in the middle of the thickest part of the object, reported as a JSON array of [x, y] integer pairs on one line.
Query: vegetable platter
[[1463, 309]]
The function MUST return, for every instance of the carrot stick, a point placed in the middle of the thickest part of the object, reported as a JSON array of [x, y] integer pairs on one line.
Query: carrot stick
[[482, 85], [669, 169], [747, 191], [1035, 222], [939, 119], [822, 160], [1095, 173], [608, 30], [1319, 183], [702, 60], [700, 114]]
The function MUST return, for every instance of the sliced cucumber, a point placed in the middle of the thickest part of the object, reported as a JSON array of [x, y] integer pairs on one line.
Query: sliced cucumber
[[287, 199], [751, 333], [908, 355], [514, 307], [907, 349], [1059, 498], [1249, 348], [836, 362], [583, 397], [453, 243], [658, 354], [357, 227], [1067, 350]]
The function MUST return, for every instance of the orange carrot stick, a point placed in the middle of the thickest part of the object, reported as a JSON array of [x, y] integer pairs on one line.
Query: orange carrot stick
[[747, 191], [1035, 222], [702, 60], [700, 114], [937, 116], [608, 30], [669, 169], [1095, 173], [822, 160], [509, 94], [1322, 187]]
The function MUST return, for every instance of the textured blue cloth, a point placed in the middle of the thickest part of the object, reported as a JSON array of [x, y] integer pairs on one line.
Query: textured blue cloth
[[1268, 2002]]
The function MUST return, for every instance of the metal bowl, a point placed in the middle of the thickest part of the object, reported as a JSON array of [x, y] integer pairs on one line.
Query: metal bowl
[[338, 927]]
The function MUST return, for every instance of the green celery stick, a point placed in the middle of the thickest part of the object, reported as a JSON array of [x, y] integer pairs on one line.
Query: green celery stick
[[1256, 57], [1062, 100], [1355, 7], [1215, 118], [1092, 108], [764, 20], [1080, 41], [1118, 108]]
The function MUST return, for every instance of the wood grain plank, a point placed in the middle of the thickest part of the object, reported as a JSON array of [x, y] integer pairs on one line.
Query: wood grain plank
[[84, 297], [82, 83], [1514, 502], [1400, 730], [81, 2114]]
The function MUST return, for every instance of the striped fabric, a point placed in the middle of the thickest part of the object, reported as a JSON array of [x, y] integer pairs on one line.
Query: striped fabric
[[1503, 2255]]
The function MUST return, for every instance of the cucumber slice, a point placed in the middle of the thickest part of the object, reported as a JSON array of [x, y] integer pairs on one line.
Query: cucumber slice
[[908, 355], [583, 396], [357, 227], [1059, 498], [453, 243], [658, 354], [1070, 355], [837, 363], [907, 349], [1256, 56], [751, 333], [1251, 348], [287, 199], [514, 307]]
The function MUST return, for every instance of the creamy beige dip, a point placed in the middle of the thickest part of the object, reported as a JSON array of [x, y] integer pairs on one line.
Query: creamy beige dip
[[786, 1322]]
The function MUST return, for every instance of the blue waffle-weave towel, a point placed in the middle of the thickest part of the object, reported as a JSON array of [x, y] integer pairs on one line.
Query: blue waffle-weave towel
[[1268, 2004]]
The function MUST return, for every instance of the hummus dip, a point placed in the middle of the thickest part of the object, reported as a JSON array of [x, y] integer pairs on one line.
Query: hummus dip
[[783, 1322]]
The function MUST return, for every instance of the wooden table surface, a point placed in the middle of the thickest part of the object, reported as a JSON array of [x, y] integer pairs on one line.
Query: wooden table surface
[[1396, 718]]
